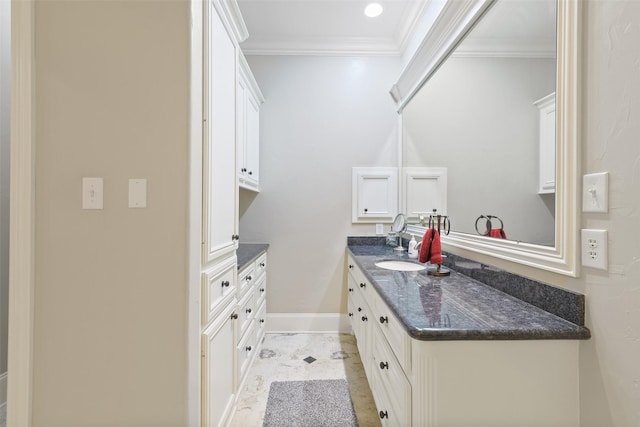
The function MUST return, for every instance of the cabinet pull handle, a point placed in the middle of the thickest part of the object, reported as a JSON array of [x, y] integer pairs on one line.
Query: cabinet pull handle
[[248, 348], [384, 414], [350, 314], [248, 310], [243, 170], [250, 173], [262, 264], [261, 320], [359, 308], [235, 237], [366, 210], [363, 285], [350, 289], [248, 278], [364, 318], [225, 283], [384, 365], [234, 316], [261, 289], [384, 319], [350, 266]]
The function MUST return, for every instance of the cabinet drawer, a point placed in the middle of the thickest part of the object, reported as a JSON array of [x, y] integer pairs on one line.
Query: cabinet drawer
[[362, 285], [261, 290], [218, 289], [246, 313], [261, 322], [245, 279], [393, 332], [394, 387], [261, 265]]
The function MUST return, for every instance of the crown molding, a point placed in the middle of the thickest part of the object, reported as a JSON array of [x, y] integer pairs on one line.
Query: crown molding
[[337, 46]]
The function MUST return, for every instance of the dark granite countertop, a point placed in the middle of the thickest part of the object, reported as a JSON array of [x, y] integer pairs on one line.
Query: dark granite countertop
[[248, 252], [457, 307]]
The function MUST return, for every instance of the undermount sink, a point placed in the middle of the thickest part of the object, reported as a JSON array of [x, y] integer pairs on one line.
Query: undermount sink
[[400, 265]]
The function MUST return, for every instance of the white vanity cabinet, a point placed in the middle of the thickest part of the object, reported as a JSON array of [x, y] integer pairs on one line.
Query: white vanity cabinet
[[251, 312], [249, 99], [547, 144], [491, 383]]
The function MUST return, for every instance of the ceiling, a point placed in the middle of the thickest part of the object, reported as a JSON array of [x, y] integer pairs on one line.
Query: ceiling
[[524, 28], [327, 27]]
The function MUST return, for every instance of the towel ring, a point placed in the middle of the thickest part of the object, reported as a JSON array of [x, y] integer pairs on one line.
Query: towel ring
[[488, 224]]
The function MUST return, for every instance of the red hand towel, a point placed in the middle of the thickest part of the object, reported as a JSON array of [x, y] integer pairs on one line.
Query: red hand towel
[[498, 233], [425, 248], [431, 249], [436, 249]]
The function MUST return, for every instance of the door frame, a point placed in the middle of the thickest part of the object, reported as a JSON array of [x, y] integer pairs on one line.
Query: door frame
[[22, 213]]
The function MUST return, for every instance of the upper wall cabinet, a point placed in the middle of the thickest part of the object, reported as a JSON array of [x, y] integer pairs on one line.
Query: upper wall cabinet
[[249, 99], [547, 141], [375, 194], [425, 189]]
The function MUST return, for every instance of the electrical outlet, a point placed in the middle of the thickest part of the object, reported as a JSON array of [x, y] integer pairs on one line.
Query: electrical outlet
[[379, 229], [594, 249]]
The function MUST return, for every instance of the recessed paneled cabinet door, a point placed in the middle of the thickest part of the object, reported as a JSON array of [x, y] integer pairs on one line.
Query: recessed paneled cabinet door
[[253, 143], [375, 194], [218, 347], [425, 190], [249, 99], [547, 166], [220, 185]]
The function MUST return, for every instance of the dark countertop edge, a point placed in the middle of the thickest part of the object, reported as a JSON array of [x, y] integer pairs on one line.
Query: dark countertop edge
[[574, 333], [248, 252], [581, 333]]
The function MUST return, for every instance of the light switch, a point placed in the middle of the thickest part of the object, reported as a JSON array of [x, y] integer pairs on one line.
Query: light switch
[[595, 192], [137, 193], [92, 193]]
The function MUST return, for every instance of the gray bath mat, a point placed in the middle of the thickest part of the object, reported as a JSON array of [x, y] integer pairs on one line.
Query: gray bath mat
[[315, 403]]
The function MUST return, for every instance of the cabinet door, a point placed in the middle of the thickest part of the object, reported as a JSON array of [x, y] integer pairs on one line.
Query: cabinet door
[[220, 185], [375, 194], [218, 391], [252, 151], [241, 124], [425, 189], [547, 165]]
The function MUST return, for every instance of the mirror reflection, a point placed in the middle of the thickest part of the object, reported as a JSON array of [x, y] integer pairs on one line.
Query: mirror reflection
[[488, 116]]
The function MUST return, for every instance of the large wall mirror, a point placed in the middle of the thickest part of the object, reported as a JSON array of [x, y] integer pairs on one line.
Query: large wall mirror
[[491, 95]]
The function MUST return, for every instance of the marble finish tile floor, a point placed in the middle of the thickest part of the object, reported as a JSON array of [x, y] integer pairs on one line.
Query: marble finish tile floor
[[282, 358]]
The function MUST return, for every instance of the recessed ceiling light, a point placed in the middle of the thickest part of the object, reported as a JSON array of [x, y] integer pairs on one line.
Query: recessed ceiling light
[[373, 9]]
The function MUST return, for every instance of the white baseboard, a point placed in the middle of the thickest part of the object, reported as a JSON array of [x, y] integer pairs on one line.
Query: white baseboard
[[308, 323], [3, 389]]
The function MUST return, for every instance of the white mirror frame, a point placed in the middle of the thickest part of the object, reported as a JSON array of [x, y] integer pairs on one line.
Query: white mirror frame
[[455, 20]]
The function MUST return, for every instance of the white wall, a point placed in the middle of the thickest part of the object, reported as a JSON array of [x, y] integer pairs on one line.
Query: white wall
[[321, 117], [110, 327], [476, 117], [610, 372]]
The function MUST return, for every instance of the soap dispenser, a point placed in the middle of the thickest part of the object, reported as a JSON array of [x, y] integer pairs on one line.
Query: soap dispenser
[[413, 252]]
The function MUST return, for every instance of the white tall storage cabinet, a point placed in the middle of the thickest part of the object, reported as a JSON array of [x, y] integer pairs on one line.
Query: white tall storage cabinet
[[224, 29]]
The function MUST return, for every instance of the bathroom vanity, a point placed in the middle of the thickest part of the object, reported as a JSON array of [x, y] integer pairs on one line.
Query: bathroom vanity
[[453, 351]]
